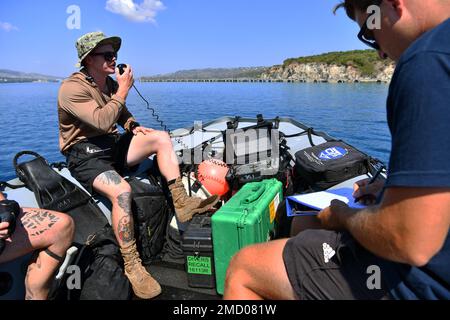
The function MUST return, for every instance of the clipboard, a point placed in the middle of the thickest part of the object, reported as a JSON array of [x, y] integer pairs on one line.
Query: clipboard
[[307, 204]]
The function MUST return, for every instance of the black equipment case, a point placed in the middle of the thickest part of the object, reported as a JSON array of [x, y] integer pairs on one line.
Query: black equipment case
[[198, 251], [330, 163]]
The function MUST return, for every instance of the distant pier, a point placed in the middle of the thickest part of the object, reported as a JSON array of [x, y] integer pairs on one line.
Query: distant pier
[[258, 80], [218, 80]]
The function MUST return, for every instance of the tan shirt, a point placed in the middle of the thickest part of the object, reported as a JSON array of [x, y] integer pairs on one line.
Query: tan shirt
[[85, 112]]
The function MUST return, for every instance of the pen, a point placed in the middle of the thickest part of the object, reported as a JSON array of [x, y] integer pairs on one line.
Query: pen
[[375, 176], [295, 213], [372, 180]]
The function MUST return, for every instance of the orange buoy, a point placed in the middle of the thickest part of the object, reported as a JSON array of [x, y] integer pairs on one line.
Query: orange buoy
[[211, 174]]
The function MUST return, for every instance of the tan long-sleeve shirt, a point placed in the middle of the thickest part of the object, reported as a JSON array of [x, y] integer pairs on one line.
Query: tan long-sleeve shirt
[[85, 112]]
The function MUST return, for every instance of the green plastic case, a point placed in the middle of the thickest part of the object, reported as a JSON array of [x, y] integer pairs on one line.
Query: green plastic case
[[247, 218]]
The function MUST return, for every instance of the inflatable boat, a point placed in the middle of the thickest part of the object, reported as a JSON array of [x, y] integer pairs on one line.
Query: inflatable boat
[[255, 141]]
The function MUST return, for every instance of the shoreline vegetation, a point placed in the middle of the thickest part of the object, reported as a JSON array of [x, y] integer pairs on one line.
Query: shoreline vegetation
[[357, 66]]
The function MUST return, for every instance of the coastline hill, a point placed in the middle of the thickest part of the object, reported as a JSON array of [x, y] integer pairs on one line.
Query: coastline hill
[[16, 76], [210, 74], [334, 67]]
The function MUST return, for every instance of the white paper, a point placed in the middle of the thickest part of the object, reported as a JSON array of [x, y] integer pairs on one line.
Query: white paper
[[320, 200]]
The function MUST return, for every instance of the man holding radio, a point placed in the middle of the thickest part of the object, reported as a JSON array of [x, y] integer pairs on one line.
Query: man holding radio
[[24, 230], [90, 106]]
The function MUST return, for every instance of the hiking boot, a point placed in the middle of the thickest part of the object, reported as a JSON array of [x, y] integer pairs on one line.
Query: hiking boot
[[186, 207], [144, 285]]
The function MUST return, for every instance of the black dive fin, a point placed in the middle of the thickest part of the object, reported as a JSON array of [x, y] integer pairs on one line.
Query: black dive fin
[[54, 192]]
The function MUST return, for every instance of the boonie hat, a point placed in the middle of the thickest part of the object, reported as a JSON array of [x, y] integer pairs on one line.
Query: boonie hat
[[88, 42]]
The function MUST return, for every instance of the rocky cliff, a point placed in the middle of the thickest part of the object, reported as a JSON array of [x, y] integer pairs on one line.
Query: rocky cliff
[[323, 72], [349, 66]]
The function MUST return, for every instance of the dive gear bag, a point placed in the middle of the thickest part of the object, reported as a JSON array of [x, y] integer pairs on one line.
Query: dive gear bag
[[102, 275], [151, 213], [256, 153], [172, 251], [329, 163], [278, 167]]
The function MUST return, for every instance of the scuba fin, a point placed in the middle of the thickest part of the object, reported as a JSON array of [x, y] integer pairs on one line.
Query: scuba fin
[[54, 192]]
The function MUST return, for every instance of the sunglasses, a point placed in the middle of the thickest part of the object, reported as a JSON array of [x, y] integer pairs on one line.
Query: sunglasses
[[108, 56]]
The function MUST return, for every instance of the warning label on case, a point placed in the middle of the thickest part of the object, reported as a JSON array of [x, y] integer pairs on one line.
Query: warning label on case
[[273, 207], [199, 265]]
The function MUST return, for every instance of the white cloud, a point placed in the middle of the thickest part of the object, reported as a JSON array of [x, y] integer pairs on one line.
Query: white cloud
[[6, 26], [143, 12]]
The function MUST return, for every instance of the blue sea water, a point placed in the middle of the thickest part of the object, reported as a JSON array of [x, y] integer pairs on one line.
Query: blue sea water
[[355, 113]]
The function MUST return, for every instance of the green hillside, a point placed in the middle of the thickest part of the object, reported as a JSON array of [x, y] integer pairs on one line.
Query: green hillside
[[364, 60]]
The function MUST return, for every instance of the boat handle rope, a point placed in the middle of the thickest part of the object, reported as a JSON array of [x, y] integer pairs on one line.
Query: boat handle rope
[[22, 153], [57, 165], [4, 184]]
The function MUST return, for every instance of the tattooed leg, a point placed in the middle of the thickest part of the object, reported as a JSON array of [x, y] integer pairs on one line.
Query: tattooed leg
[[39, 230], [109, 178], [125, 228], [118, 191]]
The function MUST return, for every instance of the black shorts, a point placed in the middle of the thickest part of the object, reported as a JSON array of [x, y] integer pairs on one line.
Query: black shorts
[[328, 265], [93, 156]]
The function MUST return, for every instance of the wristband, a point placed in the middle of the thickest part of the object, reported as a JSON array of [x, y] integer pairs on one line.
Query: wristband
[[134, 125]]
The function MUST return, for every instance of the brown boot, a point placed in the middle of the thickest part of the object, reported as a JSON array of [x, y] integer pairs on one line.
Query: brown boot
[[144, 285], [186, 207]]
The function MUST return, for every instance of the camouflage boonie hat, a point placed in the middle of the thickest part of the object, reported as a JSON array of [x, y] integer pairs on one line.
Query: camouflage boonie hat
[[88, 42]]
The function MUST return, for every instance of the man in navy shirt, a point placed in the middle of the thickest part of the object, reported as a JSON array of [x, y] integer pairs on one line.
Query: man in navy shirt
[[404, 238]]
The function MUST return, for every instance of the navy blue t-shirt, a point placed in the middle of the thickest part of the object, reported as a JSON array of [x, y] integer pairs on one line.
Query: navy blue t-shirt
[[418, 111]]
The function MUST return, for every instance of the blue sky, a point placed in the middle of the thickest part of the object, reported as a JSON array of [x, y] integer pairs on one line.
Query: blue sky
[[161, 36]]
